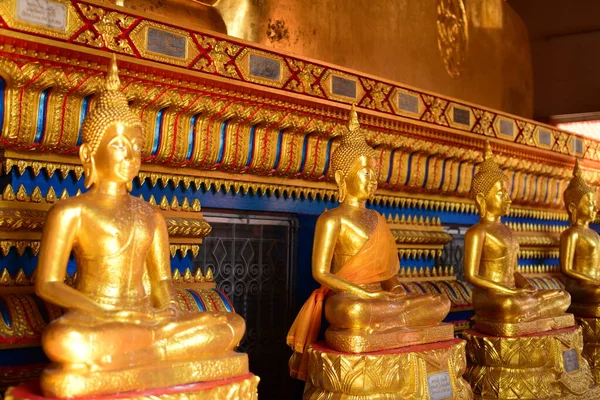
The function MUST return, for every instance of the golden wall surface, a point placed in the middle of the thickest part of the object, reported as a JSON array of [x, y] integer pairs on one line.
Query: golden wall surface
[[403, 41], [475, 50]]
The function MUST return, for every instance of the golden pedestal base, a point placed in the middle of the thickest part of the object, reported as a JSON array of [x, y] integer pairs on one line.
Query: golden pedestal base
[[58, 382], [547, 365], [523, 328], [424, 372], [591, 344], [239, 388], [346, 342]]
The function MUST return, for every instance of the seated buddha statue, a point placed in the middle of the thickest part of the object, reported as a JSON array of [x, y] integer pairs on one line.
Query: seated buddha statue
[[502, 297], [580, 248], [355, 260], [121, 330]]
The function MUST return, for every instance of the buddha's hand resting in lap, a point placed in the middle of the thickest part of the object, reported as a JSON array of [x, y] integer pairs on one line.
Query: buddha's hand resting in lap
[[166, 312], [131, 316], [383, 295], [528, 291]]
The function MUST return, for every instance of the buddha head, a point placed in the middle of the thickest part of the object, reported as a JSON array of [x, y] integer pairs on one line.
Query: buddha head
[[112, 136], [354, 163], [489, 188], [580, 199]]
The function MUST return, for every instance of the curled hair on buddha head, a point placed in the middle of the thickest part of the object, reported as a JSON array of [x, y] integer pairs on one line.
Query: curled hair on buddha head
[[575, 191], [111, 108], [486, 177], [353, 145]]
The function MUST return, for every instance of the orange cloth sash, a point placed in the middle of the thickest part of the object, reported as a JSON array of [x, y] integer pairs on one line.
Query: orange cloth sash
[[377, 261]]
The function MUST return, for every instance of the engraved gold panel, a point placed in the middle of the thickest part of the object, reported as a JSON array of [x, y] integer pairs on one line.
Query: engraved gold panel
[[28, 16], [453, 35], [163, 43]]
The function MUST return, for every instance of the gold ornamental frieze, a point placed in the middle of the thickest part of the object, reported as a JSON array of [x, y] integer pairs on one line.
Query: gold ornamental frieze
[[256, 138]]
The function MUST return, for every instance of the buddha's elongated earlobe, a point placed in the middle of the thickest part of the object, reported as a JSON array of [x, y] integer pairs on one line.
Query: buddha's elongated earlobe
[[572, 208], [89, 166], [480, 200], [341, 182]]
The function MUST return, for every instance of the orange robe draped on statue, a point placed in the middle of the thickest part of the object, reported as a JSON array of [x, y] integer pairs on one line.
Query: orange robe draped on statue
[[377, 261]]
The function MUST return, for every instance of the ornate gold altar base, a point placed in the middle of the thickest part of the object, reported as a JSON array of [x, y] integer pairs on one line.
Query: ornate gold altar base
[[423, 372], [547, 365], [591, 344], [239, 388], [156, 375]]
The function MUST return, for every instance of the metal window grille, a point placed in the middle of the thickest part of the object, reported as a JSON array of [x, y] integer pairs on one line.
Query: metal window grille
[[253, 260]]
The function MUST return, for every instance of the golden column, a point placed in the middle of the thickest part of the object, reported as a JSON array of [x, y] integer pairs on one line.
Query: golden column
[[381, 343], [524, 345]]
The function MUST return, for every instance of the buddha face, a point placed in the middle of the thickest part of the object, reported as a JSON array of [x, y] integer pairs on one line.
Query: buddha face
[[361, 181], [118, 156], [497, 202], [586, 209]]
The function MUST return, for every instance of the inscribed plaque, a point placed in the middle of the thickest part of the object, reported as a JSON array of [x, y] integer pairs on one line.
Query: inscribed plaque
[[43, 13], [408, 102], [440, 387], [166, 43], [545, 137], [343, 87], [570, 360], [507, 127], [462, 116], [263, 67]]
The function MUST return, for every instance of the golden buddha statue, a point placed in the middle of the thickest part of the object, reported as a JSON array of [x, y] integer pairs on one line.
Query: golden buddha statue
[[580, 248], [122, 330], [504, 301], [356, 262]]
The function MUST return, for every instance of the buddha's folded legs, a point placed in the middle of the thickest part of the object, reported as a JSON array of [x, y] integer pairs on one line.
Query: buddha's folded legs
[[509, 308], [346, 311], [73, 340], [552, 302]]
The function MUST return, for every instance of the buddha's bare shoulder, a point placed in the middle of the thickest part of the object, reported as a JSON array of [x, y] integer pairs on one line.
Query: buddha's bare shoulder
[[69, 205], [331, 217], [476, 230], [570, 231]]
